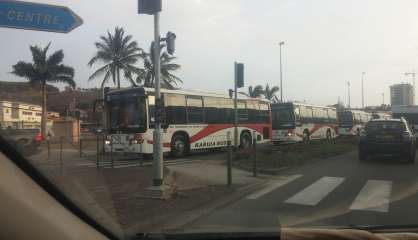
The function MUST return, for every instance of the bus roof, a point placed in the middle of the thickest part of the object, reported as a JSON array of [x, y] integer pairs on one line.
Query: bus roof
[[304, 104], [355, 111], [189, 92]]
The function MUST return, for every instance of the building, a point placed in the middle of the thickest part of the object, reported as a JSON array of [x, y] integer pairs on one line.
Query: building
[[401, 94], [20, 115]]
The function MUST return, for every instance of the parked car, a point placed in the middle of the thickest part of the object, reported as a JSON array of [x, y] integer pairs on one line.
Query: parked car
[[27, 141], [387, 136]]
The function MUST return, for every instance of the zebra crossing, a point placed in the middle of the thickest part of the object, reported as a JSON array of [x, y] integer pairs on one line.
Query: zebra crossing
[[374, 195]]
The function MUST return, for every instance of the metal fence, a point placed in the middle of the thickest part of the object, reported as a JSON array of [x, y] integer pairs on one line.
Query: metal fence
[[90, 150]]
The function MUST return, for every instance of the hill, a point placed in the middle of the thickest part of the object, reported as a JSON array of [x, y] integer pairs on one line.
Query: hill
[[23, 92]]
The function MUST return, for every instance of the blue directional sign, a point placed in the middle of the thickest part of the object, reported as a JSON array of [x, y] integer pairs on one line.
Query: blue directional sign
[[36, 16]]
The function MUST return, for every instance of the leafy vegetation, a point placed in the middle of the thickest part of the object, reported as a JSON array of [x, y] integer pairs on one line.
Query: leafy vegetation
[[119, 53], [45, 69]]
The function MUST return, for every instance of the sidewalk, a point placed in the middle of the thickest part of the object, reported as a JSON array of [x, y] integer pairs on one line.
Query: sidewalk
[[118, 196]]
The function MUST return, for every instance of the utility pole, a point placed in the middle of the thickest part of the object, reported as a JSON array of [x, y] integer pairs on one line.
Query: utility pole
[[362, 89], [153, 7], [413, 84], [348, 91], [235, 108], [158, 150], [281, 71]]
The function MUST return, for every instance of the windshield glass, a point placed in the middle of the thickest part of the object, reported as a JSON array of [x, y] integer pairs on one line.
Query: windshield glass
[[282, 119], [127, 115], [345, 119], [385, 126], [222, 115]]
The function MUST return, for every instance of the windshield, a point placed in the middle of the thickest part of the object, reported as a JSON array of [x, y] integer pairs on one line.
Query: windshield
[[385, 126], [282, 119], [345, 119], [127, 115], [215, 115]]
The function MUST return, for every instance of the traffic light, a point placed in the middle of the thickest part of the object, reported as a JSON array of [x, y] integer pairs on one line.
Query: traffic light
[[149, 6], [240, 75], [231, 92], [170, 40]]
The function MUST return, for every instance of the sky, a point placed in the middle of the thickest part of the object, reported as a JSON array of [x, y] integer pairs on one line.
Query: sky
[[327, 43]]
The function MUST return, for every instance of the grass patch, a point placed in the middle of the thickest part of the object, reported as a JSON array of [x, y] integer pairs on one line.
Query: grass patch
[[271, 158]]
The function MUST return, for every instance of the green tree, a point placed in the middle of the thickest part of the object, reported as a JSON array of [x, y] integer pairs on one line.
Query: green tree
[[42, 70], [168, 79], [270, 93], [119, 53], [254, 92]]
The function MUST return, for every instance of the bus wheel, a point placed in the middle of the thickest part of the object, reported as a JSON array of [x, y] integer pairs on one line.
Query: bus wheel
[[329, 137], [179, 147], [305, 136], [245, 140]]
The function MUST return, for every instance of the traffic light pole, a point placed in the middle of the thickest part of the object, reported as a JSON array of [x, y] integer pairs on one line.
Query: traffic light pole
[[235, 108], [157, 147]]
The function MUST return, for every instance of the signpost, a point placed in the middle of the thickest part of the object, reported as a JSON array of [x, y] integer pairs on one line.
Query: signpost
[[38, 17]]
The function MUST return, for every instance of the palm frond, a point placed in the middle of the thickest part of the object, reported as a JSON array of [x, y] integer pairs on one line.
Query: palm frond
[[55, 58], [99, 72]]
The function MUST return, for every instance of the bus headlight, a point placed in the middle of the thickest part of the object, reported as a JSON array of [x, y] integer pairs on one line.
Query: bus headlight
[[289, 134], [107, 142]]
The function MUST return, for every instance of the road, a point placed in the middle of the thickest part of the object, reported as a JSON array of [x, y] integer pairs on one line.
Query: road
[[336, 192]]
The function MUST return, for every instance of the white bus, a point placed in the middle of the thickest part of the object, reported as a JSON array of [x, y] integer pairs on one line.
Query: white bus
[[351, 122], [296, 122], [192, 120], [410, 113]]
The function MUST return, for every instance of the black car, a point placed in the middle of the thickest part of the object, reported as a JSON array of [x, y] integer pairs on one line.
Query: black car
[[388, 136]]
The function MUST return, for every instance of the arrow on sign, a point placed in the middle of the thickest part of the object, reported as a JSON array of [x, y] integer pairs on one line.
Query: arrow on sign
[[36, 16]]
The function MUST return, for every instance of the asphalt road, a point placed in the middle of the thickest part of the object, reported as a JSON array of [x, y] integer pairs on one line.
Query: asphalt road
[[335, 192]]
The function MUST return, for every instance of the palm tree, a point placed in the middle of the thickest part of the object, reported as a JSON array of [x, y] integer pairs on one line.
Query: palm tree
[[45, 69], [168, 80], [270, 93], [119, 53], [254, 92]]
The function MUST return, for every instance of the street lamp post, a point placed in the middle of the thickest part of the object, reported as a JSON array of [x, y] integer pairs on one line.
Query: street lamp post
[[281, 72], [348, 92], [362, 89]]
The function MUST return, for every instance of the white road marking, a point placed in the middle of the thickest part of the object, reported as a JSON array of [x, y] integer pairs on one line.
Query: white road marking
[[374, 196], [273, 185], [317, 191]]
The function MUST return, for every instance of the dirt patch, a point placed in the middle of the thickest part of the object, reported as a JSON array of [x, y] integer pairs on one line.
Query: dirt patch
[[115, 197]]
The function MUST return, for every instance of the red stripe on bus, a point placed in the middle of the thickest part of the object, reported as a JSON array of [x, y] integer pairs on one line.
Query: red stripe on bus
[[209, 130], [215, 128]]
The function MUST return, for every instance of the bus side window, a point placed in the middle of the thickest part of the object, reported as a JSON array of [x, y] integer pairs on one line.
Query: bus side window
[[264, 115], [194, 109], [213, 110], [175, 106], [242, 112], [253, 111]]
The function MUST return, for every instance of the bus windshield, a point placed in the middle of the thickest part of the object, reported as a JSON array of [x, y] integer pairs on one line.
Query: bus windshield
[[346, 119], [283, 119], [127, 115]]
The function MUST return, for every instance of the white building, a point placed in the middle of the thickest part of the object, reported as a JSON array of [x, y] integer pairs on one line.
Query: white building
[[20, 115]]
